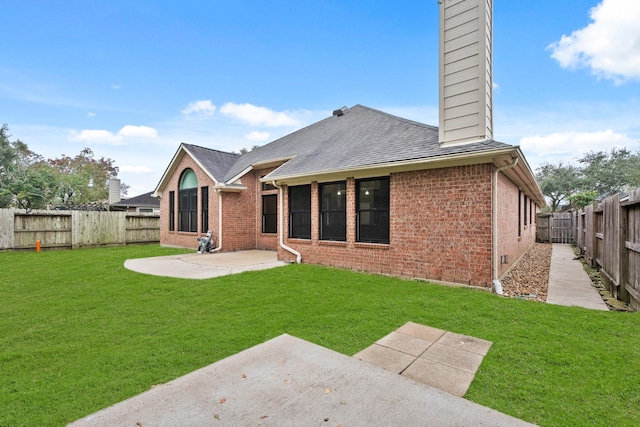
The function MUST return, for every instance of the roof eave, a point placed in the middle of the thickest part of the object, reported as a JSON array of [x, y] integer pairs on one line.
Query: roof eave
[[485, 156], [524, 176], [224, 188]]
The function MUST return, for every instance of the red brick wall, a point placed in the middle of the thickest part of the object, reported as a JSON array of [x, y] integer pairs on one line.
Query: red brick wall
[[509, 243], [440, 225], [181, 238], [440, 229]]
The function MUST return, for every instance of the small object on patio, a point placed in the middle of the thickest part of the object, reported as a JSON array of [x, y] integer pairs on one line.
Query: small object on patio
[[206, 243]]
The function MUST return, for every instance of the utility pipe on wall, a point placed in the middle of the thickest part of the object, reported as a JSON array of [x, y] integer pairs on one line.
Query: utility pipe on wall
[[281, 228], [219, 222], [497, 286]]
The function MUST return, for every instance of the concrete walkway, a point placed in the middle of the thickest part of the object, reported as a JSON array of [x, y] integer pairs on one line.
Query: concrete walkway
[[287, 381], [569, 283], [205, 266]]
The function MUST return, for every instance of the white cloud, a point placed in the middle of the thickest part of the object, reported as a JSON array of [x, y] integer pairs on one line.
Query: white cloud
[[90, 114], [96, 135], [258, 116], [135, 169], [609, 46], [573, 144], [130, 131], [202, 108], [257, 136], [115, 86], [106, 137]]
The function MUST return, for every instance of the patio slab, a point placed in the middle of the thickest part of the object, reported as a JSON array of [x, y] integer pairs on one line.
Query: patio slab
[[435, 357], [287, 381], [205, 266]]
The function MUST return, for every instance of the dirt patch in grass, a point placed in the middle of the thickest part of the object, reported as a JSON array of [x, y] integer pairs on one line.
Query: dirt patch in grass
[[529, 278]]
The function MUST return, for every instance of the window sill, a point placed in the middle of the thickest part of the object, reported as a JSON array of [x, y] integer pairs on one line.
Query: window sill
[[332, 243], [383, 246], [298, 241]]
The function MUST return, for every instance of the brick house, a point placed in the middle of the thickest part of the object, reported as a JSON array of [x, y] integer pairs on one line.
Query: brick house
[[366, 190]]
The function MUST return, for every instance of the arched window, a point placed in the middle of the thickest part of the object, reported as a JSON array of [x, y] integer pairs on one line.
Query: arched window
[[188, 202]]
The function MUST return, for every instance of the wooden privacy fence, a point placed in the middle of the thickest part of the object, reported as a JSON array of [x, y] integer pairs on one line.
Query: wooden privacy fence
[[556, 228], [608, 234], [75, 229]]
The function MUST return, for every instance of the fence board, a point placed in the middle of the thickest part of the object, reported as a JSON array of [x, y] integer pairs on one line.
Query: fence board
[[51, 228], [75, 229], [589, 235], [609, 236], [631, 262], [142, 228]]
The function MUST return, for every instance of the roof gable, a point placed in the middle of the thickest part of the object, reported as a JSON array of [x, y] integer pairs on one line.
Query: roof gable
[[214, 163]]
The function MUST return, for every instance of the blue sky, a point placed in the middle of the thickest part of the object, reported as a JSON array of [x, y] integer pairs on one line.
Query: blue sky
[[132, 79]]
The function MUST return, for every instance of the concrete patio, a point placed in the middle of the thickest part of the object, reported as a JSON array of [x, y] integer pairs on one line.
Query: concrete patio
[[205, 266], [287, 381]]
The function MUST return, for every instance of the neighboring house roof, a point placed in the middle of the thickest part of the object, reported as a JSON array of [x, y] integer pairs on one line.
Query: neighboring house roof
[[353, 139], [145, 200]]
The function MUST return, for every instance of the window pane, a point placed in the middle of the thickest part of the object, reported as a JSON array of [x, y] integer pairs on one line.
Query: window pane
[[334, 226], [266, 186], [188, 210], [188, 180], [373, 210], [172, 210], [300, 212], [205, 209], [300, 198], [333, 214], [270, 214]]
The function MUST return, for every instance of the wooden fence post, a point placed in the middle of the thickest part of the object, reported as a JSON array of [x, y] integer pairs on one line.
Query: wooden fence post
[[623, 254]]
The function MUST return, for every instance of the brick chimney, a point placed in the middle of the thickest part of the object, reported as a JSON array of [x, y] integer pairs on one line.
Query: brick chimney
[[466, 71]]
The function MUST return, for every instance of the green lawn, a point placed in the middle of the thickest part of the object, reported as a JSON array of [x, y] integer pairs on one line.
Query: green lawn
[[79, 332]]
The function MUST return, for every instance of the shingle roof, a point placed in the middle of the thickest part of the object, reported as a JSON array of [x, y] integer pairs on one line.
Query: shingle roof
[[360, 137], [142, 200], [216, 162]]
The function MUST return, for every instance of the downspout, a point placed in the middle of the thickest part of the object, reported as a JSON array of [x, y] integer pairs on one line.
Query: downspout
[[281, 228], [219, 222], [497, 286]]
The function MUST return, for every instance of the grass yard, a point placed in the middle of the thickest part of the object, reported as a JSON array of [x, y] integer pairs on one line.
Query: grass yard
[[79, 332]]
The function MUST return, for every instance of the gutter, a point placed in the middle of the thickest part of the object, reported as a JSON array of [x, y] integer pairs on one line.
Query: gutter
[[281, 228], [219, 222], [497, 286], [406, 165]]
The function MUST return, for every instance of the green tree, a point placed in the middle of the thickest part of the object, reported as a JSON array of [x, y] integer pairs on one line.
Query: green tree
[[558, 182], [30, 187], [610, 172], [26, 181], [583, 198], [83, 179], [7, 160]]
